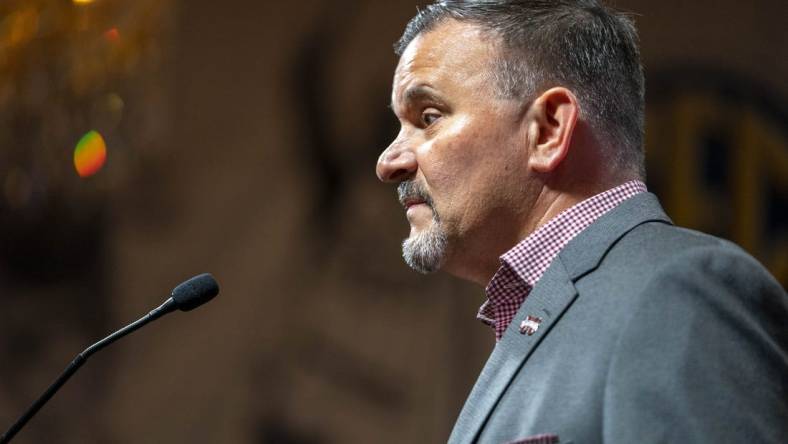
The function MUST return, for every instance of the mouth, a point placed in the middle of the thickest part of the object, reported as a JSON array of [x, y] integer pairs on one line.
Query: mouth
[[410, 202], [414, 198]]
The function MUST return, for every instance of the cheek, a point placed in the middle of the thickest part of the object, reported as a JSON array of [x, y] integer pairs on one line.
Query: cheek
[[454, 150], [470, 165], [452, 168]]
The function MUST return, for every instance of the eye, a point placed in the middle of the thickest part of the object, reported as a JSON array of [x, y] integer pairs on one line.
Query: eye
[[429, 116]]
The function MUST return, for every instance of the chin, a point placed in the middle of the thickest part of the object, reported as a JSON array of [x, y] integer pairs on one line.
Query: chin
[[425, 250]]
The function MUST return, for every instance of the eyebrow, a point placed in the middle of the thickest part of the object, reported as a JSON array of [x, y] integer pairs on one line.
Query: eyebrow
[[419, 93]]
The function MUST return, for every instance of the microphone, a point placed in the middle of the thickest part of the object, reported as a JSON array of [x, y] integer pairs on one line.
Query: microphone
[[194, 292], [188, 295]]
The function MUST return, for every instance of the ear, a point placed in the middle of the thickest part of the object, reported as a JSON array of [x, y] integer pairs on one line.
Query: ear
[[553, 116]]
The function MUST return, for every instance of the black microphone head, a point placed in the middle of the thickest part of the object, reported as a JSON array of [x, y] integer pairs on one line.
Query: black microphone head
[[195, 291]]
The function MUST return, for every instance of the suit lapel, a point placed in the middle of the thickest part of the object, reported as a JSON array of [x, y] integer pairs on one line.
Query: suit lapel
[[554, 293], [547, 301]]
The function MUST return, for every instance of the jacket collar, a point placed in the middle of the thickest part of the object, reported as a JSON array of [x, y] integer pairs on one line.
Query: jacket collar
[[585, 252]]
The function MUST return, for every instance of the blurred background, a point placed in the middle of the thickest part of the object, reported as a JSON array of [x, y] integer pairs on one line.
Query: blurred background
[[240, 138]]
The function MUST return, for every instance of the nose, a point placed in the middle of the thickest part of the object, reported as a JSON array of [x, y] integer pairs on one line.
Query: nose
[[396, 163]]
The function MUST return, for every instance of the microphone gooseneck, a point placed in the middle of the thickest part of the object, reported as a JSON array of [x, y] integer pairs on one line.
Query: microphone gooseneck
[[186, 296]]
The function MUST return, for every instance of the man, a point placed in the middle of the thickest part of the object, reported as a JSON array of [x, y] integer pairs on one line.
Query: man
[[520, 165]]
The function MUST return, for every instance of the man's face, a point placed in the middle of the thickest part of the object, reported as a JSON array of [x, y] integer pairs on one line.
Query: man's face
[[461, 153]]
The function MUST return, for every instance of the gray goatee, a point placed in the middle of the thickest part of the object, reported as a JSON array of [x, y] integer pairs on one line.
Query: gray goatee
[[424, 251]]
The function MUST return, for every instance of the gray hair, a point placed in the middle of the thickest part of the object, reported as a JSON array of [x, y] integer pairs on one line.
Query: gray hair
[[578, 44]]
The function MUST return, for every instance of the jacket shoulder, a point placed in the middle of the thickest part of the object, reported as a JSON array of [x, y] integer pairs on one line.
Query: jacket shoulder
[[703, 331], [661, 251]]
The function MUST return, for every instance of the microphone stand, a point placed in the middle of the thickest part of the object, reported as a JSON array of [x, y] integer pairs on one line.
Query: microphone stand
[[81, 358]]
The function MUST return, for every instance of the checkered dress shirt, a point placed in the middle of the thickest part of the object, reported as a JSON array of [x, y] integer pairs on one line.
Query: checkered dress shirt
[[523, 265]]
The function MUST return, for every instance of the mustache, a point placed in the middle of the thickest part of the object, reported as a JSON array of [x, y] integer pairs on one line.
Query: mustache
[[411, 189]]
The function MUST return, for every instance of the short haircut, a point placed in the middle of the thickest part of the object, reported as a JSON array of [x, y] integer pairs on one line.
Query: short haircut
[[579, 44]]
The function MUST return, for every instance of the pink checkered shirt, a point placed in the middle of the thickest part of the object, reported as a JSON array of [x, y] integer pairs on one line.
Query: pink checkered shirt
[[523, 265]]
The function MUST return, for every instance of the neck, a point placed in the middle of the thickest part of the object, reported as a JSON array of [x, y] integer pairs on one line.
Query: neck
[[548, 205], [551, 201], [479, 260]]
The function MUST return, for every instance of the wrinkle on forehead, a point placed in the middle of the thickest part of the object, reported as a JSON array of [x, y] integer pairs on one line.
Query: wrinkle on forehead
[[452, 52]]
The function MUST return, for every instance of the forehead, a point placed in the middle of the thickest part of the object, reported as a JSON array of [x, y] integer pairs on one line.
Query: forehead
[[451, 55]]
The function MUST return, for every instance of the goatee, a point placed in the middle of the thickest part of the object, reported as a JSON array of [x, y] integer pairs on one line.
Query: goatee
[[424, 251]]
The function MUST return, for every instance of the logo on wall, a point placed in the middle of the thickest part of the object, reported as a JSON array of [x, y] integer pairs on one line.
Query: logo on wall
[[717, 153]]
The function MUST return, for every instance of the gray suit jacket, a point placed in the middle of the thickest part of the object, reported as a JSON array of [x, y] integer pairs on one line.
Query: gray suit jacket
[[649, 333]]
